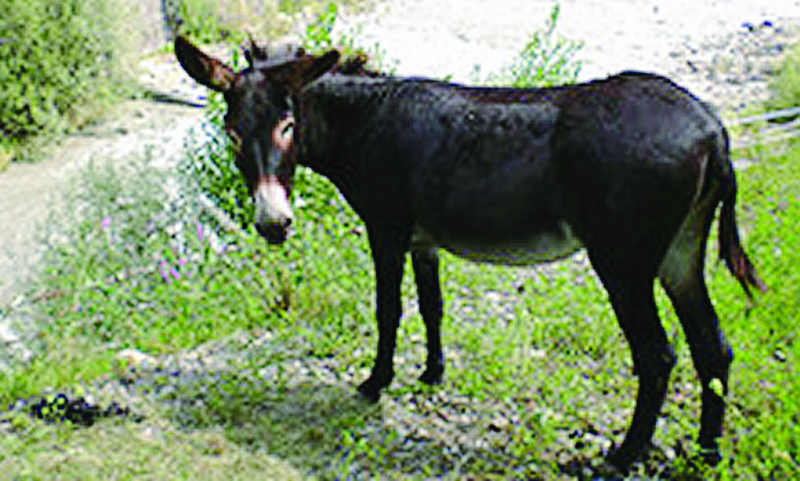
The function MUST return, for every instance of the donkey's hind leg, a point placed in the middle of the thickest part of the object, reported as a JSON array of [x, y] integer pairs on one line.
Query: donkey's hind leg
[[426, 275], [630, 289], [681, 275]]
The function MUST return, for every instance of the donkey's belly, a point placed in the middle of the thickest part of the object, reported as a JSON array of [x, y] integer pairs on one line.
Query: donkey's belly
[[536, 248]]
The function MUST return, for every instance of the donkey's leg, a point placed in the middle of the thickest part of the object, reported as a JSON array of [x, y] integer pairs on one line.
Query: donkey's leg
[[426, 274], [711, 354], [681, 275], [388, 255], [631, 293]]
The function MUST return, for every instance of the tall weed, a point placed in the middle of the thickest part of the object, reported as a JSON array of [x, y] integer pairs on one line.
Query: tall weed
[[547, 59]]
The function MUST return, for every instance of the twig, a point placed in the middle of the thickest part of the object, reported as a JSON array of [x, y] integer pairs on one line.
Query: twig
[[777, 114], [767, 139], [219, 215]]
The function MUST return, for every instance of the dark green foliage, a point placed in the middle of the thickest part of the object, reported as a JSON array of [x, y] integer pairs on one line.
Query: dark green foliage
[[55, 57]]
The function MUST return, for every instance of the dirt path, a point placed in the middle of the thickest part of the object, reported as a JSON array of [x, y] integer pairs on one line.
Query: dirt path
[[720, 50], [132, 128]]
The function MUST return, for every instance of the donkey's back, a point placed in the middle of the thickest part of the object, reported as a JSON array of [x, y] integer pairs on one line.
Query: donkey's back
[[520, 176]]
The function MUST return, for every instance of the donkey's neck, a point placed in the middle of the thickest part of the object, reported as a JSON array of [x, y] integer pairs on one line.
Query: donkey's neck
[[333, 111]]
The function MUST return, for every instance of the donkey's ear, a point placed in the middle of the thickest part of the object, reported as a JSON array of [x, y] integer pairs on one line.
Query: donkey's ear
[[317, 66], [205, 70], [298, 73]]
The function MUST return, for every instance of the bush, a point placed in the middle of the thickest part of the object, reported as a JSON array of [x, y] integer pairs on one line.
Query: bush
[[547, 59], [785, 86], [210, 21], [55, 58]]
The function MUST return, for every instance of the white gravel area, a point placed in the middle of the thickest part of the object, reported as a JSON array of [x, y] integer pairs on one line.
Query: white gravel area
[[450, 37]]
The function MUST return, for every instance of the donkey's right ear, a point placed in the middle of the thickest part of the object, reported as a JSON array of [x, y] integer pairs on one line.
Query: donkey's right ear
[[205, 70]]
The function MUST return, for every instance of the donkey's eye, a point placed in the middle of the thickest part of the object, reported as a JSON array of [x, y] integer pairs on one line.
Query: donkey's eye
[[236, 140]]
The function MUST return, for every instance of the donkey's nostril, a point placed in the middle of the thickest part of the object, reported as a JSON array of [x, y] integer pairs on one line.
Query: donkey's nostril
[[273, 233]]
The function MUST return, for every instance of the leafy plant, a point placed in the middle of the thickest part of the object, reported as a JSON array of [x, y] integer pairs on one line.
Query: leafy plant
[[784, 87], [57, 58], [318, 38], [547, 59]]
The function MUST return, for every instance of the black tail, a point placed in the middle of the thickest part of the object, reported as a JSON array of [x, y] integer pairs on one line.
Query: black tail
[[730, 247]]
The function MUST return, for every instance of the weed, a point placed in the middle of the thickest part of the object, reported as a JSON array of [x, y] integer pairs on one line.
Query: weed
[[785, 86], [547, 59]]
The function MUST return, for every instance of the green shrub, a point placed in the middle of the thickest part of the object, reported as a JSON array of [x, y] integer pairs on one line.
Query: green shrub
[[56, 58], [785, 86], [212, 165], [318, 38], [547, 59], [209, 21]]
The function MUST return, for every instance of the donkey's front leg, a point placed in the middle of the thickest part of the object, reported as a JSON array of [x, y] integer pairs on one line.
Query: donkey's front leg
[[426, 275], [388, 254]]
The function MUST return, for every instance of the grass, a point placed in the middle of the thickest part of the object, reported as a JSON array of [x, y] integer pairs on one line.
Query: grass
[[538, 372]]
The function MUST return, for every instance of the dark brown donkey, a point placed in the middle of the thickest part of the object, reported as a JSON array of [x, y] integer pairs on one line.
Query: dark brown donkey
[[630, 168]]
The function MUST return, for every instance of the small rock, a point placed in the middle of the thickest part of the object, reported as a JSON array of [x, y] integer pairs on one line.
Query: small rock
[[499, 424], [131, 358], [7, 336]]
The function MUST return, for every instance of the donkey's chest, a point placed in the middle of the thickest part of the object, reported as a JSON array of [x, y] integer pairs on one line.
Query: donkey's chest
[[523, 248]]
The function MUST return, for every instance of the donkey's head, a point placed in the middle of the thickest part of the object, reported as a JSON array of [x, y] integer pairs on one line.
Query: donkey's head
[[260, 121]]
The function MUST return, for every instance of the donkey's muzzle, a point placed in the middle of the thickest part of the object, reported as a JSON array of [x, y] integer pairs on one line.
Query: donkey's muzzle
[[274, 233], [273, 212]]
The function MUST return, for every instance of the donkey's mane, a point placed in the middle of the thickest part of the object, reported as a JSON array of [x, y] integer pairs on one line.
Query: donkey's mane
[[354, 64]]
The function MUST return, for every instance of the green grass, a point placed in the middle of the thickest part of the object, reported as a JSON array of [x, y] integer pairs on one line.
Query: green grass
[[527, 369]]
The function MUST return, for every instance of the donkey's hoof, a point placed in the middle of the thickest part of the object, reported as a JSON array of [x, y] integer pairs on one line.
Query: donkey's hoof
[[432, 377], [369, 391], [620, 460], [710, 456]]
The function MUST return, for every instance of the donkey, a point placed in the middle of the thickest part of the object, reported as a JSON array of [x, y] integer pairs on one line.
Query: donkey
[[631, 168]]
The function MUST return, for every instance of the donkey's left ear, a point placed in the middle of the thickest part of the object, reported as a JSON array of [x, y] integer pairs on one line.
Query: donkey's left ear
[[297, 74]]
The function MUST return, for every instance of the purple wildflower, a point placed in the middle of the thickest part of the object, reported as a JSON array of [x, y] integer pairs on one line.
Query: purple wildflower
[[200, 231], [164, 274], [106, 222]]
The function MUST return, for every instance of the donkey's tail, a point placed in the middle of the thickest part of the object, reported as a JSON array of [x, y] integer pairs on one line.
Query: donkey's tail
[[730, 247]]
